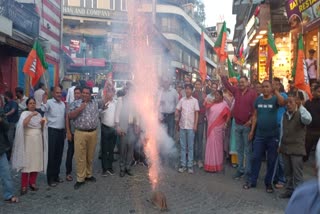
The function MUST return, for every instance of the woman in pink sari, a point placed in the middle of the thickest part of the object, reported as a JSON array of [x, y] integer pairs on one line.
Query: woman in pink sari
[[218, 114]]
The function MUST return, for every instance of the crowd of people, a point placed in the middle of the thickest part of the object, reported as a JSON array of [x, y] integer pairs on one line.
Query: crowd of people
[[212, 122]]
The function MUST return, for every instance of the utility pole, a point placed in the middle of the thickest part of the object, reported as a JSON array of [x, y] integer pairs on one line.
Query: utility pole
[[154, 11]]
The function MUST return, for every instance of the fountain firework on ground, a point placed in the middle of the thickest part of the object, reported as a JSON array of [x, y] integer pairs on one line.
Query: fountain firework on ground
[[145, 90]]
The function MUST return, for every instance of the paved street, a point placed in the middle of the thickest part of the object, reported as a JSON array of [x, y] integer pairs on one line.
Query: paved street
[[198, 193]]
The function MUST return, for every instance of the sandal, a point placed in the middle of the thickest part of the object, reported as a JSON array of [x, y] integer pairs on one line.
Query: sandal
[[279, 186], [269, 189], [248, 185], [69, 178], [33, 187], [12, 200], [23, 191]]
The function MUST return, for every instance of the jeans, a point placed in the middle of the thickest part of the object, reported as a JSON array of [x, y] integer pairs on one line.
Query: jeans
[[186, 142], [280, 176], [260, 146], [198, 148], [5, 175], [168, 121], [244, 149]]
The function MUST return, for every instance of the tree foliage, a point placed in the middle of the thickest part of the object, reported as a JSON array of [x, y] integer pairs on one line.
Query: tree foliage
[[199, 12]]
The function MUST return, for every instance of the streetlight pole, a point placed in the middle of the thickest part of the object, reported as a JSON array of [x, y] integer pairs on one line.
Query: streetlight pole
[[154, 11]]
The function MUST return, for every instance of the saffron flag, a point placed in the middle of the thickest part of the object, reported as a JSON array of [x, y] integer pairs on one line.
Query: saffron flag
[[35, 64], [220, 44], [272, 49], [301, 80], [231, 71], [202, 63]]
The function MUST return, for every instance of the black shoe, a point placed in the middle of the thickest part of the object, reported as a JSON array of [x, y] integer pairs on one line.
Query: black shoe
[[128, 172], [104, 174], [144, 163], [110, 171], [133, 163], [91, 179], [58, 180], [52, 184], [77, 185], [122, 174], [238, 175], [285, 194]]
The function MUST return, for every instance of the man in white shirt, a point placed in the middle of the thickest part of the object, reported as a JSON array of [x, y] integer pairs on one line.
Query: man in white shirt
[[168, 101], [125, 123], [108, 133], [70, 94], [38, 95], [312, 67], [21, 99], [55, 113]]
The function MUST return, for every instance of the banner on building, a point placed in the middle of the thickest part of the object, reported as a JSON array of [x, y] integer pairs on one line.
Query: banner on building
[[74, 45], [302, 11]]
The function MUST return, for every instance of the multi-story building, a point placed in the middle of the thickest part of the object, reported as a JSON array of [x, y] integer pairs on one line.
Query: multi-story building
[[95, 33], [23, 21], [178, 26]]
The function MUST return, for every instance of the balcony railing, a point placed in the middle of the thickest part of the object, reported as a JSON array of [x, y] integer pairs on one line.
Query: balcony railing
[[24, 18]]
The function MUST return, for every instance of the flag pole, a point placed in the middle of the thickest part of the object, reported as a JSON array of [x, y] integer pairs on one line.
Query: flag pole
[[270, 71]]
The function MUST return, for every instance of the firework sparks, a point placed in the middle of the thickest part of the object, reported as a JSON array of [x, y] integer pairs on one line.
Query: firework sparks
[[145, 87]]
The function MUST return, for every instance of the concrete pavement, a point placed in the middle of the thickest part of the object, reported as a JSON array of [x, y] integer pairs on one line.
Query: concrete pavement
[[198, 193]]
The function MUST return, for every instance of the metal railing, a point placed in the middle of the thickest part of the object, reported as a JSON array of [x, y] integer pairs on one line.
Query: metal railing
[[24, 18]]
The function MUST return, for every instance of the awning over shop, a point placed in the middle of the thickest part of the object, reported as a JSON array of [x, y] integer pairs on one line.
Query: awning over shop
[[67, 54]]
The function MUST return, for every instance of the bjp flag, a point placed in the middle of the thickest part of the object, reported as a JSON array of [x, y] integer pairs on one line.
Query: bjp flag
[[35, 64], [301, 74]]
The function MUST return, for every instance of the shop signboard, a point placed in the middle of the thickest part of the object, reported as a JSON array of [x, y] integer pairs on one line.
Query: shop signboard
[[251, 28], [95, 62], [78, 62], [306, 12], [92, 12]]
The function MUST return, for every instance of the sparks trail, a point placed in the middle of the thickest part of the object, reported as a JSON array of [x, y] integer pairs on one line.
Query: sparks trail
[[145, 86]]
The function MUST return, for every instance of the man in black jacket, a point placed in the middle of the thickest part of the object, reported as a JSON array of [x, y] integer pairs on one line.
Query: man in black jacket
[[5, 174], [313, 130]]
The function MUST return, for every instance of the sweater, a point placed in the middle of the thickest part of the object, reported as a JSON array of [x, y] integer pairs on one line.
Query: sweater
[[294, 132]]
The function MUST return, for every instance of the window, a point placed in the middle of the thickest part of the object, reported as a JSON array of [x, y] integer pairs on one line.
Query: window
[[74, 3], [105, 4], [124, 5], [88, 3], [165, 24]]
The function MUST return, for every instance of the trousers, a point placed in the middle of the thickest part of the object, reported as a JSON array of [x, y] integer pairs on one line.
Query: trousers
[[84, 147], [55, 150]]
